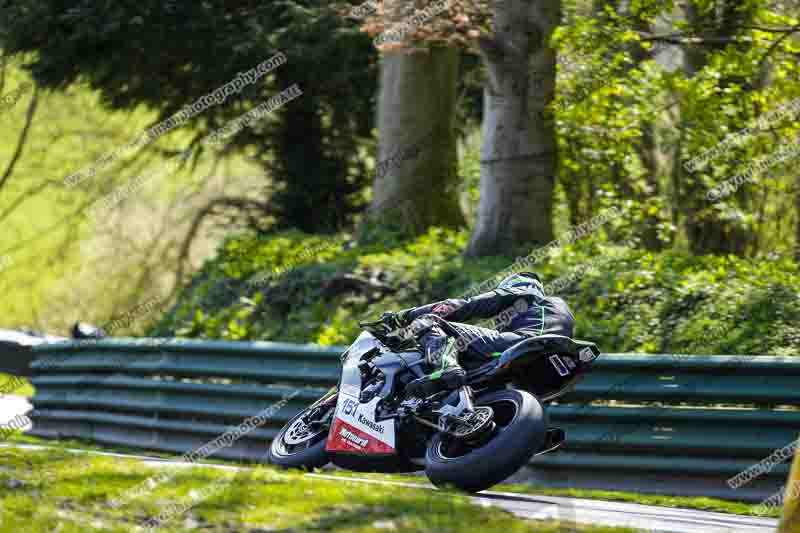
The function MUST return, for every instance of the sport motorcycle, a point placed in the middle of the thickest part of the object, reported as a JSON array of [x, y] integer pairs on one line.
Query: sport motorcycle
[[469, 438]]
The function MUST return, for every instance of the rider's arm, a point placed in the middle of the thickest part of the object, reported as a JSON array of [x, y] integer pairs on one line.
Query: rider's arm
[[486, 305]]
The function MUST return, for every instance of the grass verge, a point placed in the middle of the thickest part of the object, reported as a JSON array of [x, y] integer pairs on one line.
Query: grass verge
[[683, 502], [56, 490], [16, 385]]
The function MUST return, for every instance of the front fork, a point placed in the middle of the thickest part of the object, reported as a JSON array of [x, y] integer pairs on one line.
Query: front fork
[[314, 409], [327, 396]]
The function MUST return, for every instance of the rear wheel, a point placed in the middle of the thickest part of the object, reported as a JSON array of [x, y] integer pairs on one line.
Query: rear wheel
[[300, 445], [519, 432]]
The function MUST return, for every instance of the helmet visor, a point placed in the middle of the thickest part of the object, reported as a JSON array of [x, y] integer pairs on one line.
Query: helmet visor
[[522, 279]]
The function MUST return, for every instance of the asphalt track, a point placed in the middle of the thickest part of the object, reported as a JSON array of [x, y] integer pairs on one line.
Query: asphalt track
[[642, 517]]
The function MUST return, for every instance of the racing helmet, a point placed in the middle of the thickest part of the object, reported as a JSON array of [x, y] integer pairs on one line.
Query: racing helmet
[[521, 279]]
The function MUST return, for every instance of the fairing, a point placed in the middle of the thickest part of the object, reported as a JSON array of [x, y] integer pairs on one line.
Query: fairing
[[355, 428]]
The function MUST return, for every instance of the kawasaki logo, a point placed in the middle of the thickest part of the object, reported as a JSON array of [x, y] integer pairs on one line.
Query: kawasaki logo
[[372, 425], [355, 439]]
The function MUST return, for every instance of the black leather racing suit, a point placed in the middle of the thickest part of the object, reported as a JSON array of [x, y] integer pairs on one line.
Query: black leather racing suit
[[517, 313]]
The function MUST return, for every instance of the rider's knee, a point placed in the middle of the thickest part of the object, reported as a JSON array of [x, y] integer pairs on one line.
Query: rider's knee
[[423, 324]]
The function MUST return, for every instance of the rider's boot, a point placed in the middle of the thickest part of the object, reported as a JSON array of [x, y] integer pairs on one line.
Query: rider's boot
[[458, 416], [447, 376]]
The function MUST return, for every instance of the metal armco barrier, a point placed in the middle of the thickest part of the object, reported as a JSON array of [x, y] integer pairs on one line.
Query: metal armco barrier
[[667, 424]]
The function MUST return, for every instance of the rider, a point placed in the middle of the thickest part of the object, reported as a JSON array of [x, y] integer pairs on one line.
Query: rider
[[520, 310]]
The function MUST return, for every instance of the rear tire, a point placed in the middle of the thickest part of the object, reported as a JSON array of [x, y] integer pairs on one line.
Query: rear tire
[[520, 433], [306, 454]]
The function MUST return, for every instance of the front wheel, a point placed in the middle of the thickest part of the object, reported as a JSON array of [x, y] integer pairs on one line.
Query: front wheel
[[521, 427], [299, 445]]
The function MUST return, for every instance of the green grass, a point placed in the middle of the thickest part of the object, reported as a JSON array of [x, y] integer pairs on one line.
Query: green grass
[[16, 385], [56, 490], [684, 502]]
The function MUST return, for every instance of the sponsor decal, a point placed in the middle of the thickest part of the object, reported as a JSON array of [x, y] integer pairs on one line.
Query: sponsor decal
[[570, 363], [354, 439], [371, 437], [351, 439], [369, 423], [349, 407], [559, 365]]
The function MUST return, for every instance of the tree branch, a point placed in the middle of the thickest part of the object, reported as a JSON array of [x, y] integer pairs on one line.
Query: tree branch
[[22, 138], [195, 227], [773, 30], [774, 46], [682, 38]]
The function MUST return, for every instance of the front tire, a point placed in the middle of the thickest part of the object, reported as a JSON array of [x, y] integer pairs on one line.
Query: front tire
[[520, 433], [298, 446]]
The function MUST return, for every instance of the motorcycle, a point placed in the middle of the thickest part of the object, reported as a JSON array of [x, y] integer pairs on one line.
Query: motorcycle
[[470, 438]]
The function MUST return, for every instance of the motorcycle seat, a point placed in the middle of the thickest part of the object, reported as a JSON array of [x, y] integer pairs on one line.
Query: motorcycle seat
[[551, 343]]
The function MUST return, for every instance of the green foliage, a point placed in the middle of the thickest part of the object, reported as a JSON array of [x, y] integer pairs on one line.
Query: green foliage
[[629, 118], [15, 385], [165, 55], [628, 300], [56, 264]]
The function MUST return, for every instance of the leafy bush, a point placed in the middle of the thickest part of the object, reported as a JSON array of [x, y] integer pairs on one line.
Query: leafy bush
[[623, 298]]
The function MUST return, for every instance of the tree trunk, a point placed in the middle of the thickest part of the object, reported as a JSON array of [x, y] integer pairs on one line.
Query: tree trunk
[[313, 186], [705, 231], [416, 181], [648, 147], [518, 155], [648, 151]]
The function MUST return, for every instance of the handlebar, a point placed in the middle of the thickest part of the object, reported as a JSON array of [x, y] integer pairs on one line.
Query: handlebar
[[382, 329]]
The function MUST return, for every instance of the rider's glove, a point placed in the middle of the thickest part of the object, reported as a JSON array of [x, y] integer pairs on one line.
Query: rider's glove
[[405, 316], [392, 320]]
